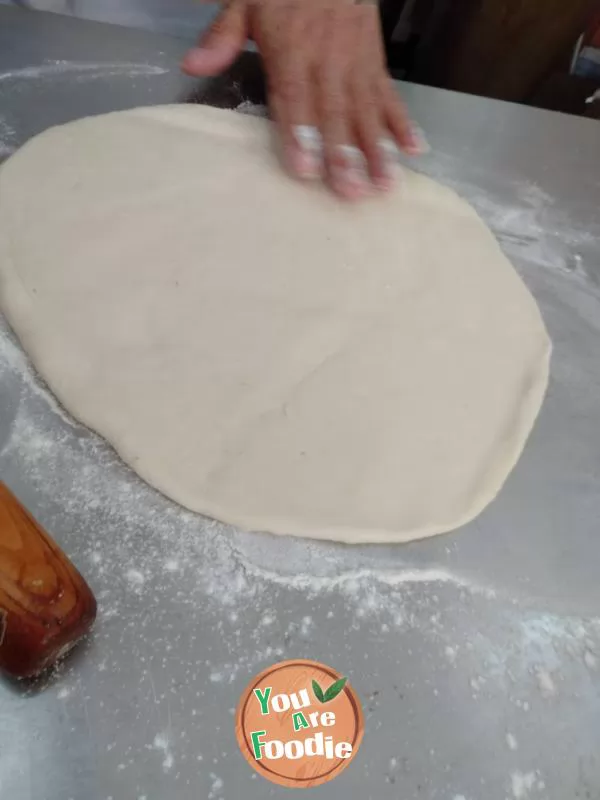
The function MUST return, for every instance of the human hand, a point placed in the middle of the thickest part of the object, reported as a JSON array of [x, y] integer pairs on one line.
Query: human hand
[[337, 113]]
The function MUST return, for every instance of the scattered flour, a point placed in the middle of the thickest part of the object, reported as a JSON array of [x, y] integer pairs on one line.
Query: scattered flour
[[135, 577], [306, 626], [522, 784], [157, 539], [37, 77], [530, 226], [252, 109], [81, 69], [545, 683], [216, 786], [8, 138], [450, 654], [511, 742], [590, 660], [161, 743]]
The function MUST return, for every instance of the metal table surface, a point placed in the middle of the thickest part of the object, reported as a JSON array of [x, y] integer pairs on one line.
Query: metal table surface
[[476, 654]]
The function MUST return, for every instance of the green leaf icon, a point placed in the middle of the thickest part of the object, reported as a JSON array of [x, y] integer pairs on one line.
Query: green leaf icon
[[318, 692], [334, 689], [331, 693]]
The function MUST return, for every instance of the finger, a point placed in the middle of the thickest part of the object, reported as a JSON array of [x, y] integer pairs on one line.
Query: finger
[[221, 45], [344, 162], [369, 113], [290, 97], [301, 142], [370, 133], [407, 134]]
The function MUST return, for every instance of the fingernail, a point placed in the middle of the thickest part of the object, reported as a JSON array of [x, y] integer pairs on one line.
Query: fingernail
[[307, 160], [308, 138], [352, 173], [420, 144]]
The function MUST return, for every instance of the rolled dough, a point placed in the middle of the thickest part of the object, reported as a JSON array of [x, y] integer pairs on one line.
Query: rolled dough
[[254, 348]]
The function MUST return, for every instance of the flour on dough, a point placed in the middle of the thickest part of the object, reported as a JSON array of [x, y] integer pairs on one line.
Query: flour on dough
[[256, 349]]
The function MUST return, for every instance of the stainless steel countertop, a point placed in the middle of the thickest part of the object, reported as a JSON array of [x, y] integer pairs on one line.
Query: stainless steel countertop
[[181, 18], [476, 654]]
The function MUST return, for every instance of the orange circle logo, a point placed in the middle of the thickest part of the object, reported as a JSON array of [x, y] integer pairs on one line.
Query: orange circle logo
[[299, 723]]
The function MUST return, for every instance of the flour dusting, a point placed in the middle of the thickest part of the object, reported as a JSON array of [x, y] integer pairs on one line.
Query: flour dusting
[[81, 69], [159, 570], [216, 786], [162, 549], [252, 109], [162, 744], [532, 228], [8, 138], [66, 456], [590, 660], [545, 683], [522, 784]]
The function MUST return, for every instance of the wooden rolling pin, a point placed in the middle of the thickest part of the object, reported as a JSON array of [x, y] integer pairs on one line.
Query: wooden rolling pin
[[45, 604]]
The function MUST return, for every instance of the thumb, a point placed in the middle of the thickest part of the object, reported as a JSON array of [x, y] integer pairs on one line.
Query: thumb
[[221, 45]]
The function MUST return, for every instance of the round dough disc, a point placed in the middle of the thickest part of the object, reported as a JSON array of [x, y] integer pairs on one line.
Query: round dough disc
[[258, 350]]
